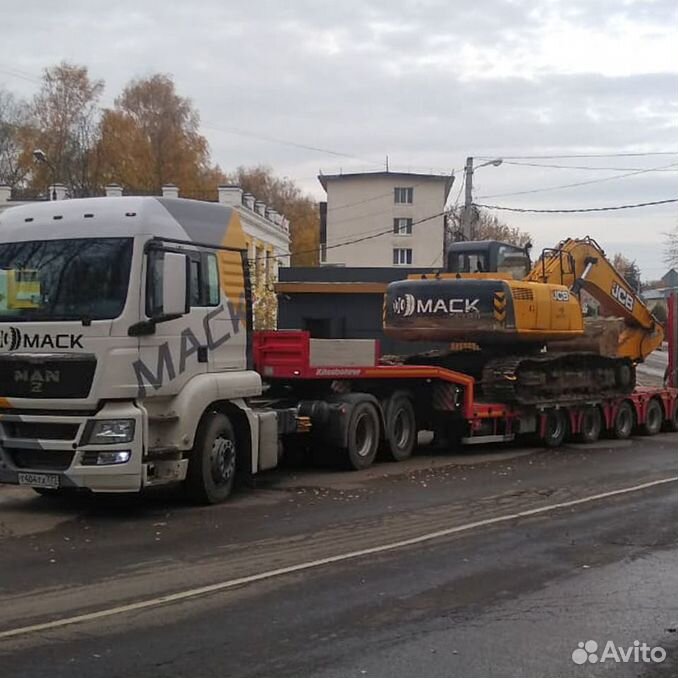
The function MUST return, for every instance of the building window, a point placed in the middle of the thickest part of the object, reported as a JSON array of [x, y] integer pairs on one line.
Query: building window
[[213, 287], [402, 226], [402, 256], [403, 195]]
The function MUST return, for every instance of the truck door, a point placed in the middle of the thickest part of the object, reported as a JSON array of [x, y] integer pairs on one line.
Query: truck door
[[226, 322], [173, 352]]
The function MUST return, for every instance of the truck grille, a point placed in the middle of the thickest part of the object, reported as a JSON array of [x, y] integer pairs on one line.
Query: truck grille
[[42, 460], [40, 430], [35, 376]]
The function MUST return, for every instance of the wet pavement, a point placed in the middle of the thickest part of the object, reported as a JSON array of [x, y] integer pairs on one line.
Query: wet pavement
[[509, 598]]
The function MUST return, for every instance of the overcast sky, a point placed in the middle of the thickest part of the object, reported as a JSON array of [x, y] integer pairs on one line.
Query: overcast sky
[[426, 82]]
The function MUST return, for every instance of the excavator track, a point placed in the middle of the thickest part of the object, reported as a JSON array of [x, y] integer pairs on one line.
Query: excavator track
[[559, 378]]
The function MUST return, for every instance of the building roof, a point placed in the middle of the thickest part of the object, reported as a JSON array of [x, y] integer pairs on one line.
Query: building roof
[[447, 179], [670, 278]]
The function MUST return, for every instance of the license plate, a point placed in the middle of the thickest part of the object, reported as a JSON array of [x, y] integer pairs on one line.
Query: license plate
[[48, 480]]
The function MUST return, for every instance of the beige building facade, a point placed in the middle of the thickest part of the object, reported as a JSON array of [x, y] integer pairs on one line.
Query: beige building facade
[[399, 205]]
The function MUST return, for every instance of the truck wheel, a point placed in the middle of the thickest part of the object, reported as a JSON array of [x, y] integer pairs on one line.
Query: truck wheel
[[556, 428], [212, 465], [401, 427], [671, 424], [591, 425], [624, 421], [363, 436], [654, 418]]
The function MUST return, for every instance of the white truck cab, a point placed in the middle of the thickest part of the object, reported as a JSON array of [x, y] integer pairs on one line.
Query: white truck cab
[[125, 348]]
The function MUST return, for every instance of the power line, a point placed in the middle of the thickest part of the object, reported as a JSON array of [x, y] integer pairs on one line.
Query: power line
[[579, 183], [575, 155], [284, 142], [348, 242], [591, 167], [579, 210]]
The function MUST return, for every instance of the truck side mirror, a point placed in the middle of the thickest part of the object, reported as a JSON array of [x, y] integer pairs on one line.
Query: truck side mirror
[[174, 284]]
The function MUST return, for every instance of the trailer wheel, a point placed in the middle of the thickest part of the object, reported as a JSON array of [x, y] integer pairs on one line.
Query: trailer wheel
[[401, 426], [212, 465], [591, 425], [671, 423], [654, 418], [363, 436], [624, 421], [556, 428]]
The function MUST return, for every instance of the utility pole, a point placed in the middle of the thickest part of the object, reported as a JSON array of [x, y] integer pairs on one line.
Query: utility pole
[[467, 216]]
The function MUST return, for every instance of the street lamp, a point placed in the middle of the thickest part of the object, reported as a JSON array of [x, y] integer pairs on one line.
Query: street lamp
[[467, 217], [41, 157]]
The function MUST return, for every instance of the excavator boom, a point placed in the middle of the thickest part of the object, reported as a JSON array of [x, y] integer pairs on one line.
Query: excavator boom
[[581, 264]]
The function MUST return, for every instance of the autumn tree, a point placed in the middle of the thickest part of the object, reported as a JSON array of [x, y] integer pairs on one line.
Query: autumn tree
[[671, 247], [14, 124], [65, 125], [151, 138], [486, 226], [288, 199], [629, 270]]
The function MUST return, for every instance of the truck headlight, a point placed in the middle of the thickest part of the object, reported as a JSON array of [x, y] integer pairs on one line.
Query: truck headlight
[[109, 431]]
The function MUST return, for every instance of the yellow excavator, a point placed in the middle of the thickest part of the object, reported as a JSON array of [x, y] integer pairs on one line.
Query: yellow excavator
[[521, 320]]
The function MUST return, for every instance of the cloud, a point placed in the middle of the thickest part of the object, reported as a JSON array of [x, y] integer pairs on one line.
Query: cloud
[[427, 82]]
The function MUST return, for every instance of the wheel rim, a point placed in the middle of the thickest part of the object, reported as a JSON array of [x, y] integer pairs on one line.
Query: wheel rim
[[654, 417], [364, 435], [222, 460], [401, 429]]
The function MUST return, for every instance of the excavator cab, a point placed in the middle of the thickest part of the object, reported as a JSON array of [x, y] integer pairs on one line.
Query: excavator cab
[[488, 256]]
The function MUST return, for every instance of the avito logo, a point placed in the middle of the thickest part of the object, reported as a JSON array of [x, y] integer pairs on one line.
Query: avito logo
[[12, 339]]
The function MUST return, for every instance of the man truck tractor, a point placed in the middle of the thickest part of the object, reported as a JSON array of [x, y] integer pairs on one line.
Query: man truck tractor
[[129, 364]]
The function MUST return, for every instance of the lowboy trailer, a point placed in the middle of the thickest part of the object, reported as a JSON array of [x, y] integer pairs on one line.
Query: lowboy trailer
[[353, 404]]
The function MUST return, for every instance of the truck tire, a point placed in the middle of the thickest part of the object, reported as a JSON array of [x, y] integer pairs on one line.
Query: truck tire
[[362, 436], [624, 421], [212, 465], [671, 424], [654, 418], [556, 428], [401, 426], [591, 425]]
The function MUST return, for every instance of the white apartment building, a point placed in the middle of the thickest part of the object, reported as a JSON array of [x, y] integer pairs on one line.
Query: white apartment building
[[366, 204]]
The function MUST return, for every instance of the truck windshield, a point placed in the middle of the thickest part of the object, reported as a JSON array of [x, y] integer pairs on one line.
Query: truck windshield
[[70, 279]]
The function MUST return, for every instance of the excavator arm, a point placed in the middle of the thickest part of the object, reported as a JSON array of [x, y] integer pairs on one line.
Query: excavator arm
[[581, 264]]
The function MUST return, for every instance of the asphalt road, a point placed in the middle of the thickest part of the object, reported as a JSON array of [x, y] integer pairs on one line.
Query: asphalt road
[[492, 564]]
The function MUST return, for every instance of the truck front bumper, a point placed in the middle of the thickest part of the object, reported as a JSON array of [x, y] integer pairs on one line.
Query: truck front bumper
[[36, 448]]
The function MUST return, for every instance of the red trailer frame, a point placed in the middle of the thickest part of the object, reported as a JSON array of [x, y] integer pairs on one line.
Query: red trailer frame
[[286, 355]]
